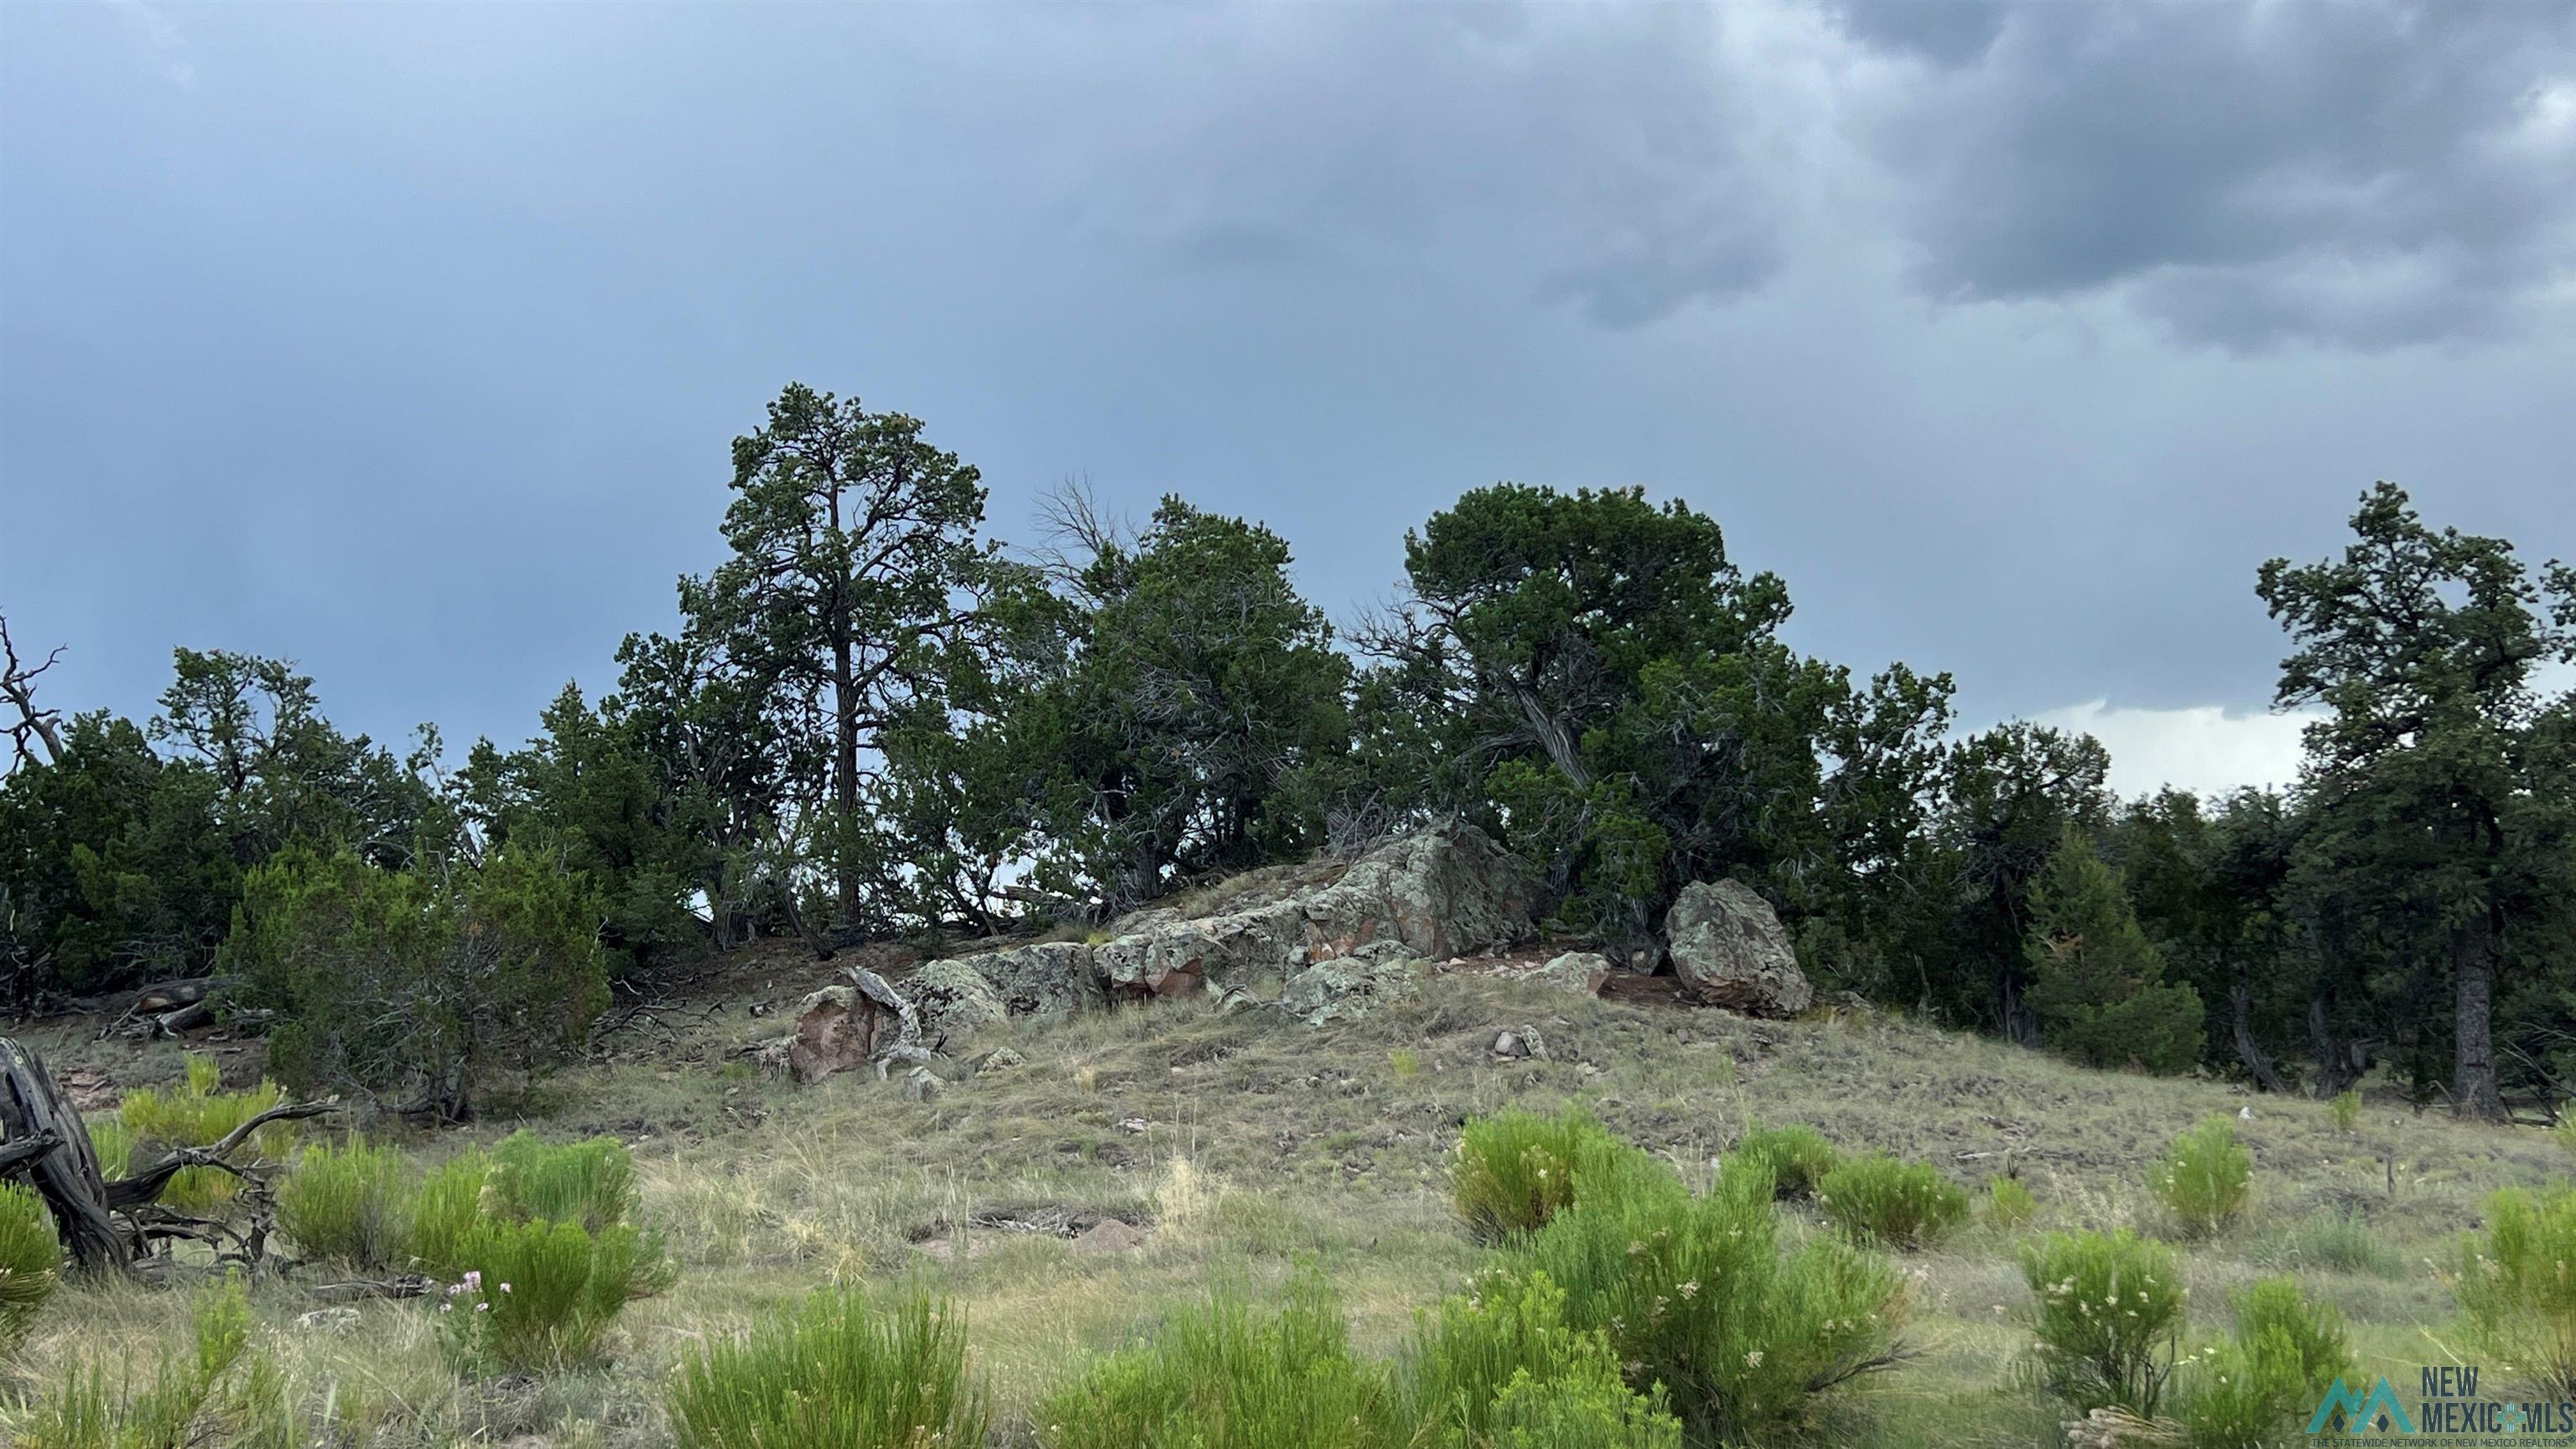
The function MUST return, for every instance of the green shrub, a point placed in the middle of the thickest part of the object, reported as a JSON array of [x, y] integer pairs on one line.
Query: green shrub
[[2009, 1205], [536, 1296], [446, 1210], [2257, 1390], [200, 1113], [835, 1375], [589, 1183], [1517, 1169], [1697, 1294], [418, 983], [2205, 1177], [1878, 1199], [1586, 1412], [2517, 1285], [2346, 1108], [31, 1260], [2106, 1315], [1225, 1377], [1470, 1356], [1798, 1157], [348, 1205]]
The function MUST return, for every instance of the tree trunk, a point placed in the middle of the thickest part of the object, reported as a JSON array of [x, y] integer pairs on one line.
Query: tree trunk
[[2248, 1050], [845, 762], [2334, 1059], [59, 1162], [2474, 1092], [2020, 1022]]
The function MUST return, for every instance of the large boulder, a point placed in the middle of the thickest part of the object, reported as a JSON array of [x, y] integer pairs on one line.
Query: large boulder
[[954, 1001], [837, 1030], [1441, 891], [1581, 973], [1347, 986], [1729, 950], [1050, 979]]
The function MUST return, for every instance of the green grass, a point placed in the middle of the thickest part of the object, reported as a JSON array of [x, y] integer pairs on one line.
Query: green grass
[[1516, 1169], [1229, 1376], [199, 1113], [590, 1183], [2257, 1389], [1707, 1296], [2106, 1314], [838, 1373], [31, 1261], [539, 1295], [2010, 1207], [2516, 1285]]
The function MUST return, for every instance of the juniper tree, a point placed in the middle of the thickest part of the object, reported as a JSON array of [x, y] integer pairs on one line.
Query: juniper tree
[[2420, 645]]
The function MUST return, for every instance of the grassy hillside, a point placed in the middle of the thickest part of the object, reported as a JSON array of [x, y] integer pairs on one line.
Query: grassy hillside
[[1244, 1146]]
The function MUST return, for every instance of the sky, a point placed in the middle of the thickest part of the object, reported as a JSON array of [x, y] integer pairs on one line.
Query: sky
[[408, 342]]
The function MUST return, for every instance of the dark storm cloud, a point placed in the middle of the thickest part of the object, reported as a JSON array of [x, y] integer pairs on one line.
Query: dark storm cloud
[[406, 341], [2359, 174]]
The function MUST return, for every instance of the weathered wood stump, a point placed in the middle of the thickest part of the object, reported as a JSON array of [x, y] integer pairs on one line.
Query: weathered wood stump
[[45, 1144]]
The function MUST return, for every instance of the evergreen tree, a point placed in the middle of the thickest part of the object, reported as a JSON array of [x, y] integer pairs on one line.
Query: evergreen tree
[[2097, 984], [2420, 644], [853, 551]]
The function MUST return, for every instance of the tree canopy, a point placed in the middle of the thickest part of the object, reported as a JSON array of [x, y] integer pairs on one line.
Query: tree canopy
[[870, 719]]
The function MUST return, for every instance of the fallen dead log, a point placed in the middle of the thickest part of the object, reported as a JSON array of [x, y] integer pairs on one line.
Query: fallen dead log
[[169, 1007], [107, 1224]]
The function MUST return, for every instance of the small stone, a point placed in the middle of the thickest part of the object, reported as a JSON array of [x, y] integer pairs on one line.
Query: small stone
[[1108, 1236], [334, 1321]]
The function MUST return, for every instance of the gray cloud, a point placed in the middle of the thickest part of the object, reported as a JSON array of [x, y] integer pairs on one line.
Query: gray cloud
[[408, 343], [2361, 174], [1593, 157]]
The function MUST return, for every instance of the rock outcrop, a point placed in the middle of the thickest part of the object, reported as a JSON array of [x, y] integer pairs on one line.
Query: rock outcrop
[[1439, 892], [1729, 950]]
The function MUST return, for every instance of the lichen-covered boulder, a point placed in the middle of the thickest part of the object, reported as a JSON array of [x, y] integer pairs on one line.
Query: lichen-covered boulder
[[1170, 959], [1730, 950], [1346, 987], [1580, 973], [1049, 979], [954, 1002], [1441, 891]]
